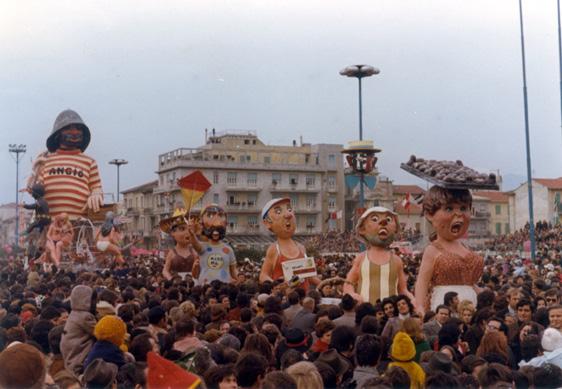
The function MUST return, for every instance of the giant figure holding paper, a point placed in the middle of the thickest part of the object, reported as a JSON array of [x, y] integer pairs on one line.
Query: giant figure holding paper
[[278, 216]]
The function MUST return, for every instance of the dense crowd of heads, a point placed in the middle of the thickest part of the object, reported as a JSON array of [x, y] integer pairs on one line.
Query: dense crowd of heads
[[74, 328]]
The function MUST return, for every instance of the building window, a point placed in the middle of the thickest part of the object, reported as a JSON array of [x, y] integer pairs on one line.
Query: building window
[[232, 222], [331, 182], [507, 228], [267, 160], [276, 178], [215, 198], [215, 177], [294, 201], [252, 199], [253, 222], [310, 180], [252, 179], [331, 160], [311, 202], [293, 179], [331, 203], [231, 178], [498, 209], [498, 228], [310, 222]]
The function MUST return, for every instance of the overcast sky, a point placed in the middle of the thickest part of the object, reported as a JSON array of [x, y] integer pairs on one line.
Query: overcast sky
[[150, 76]]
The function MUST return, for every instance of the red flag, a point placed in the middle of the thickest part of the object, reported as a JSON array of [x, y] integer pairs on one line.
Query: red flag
[[164, 374], [406, 202]]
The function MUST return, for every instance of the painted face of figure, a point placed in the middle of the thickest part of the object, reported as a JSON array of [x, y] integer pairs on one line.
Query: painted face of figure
[[379, 229], [71, 138], [214, 223], [181, 234], [451, 221], [281, 220]]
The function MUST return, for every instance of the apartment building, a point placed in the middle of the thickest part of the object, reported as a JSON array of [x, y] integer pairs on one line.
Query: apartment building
[[245, 173], [498, 211], [547, 203]]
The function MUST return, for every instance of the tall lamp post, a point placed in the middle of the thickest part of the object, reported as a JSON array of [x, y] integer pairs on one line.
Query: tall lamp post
[[118, 163], [17, 150], [527, 141], [360, 72]]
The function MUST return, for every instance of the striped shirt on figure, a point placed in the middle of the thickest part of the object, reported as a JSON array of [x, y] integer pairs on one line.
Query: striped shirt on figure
[[377, 281], [69, 178]]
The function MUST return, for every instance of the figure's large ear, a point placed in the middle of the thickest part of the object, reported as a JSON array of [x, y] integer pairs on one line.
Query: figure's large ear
[[267, 223]]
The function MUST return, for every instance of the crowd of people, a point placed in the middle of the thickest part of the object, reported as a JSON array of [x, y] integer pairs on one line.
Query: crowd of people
[[127, 325], [346, 242]]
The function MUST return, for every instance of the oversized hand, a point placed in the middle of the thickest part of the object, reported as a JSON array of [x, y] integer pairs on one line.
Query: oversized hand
[[95, 201]]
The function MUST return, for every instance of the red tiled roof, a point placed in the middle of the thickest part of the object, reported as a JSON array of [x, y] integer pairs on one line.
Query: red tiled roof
[[550, 183], [497, 197], [403, 189]]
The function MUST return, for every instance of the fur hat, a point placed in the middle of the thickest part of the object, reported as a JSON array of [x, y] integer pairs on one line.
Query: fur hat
[[551, 339], [403, 348], [112, 329], [22, 366]]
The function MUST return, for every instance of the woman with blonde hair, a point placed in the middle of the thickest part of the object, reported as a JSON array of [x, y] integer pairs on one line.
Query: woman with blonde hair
[[306, 374], [413, 327], [466, 311]]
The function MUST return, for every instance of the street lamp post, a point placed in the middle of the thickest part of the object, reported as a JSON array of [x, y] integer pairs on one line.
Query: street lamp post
[[17, 150], [527, 141], [118, 163], [360, 72]]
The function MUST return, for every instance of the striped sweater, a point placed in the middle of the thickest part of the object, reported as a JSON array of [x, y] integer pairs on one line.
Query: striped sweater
[[69, 178]]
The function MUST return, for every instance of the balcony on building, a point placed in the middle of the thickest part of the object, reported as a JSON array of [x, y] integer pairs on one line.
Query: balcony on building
[[213, 159]]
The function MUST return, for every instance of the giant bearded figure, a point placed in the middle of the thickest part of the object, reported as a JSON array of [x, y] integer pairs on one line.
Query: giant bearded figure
[[217, 260], [377, 272], [71, 178]]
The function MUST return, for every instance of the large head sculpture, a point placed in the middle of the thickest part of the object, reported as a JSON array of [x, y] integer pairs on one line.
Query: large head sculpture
[[213, 218], [448, 211], [69, 132], [278, 216], [377, 226]]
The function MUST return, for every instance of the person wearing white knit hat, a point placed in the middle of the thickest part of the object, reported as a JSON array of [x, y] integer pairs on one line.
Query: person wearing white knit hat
[[551, 343], [279, 218]]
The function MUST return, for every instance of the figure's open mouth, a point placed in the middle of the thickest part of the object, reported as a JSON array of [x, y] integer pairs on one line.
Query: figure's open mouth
[[383, 233], [456, 227], [288, 225]]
